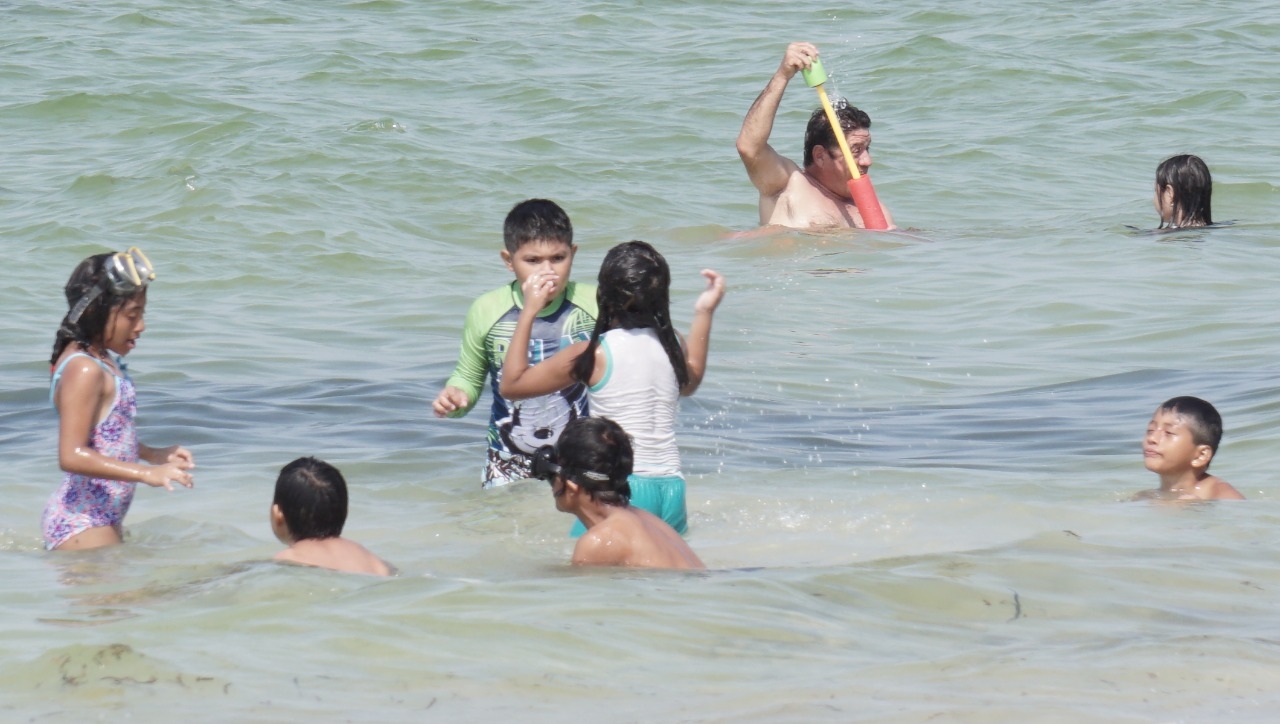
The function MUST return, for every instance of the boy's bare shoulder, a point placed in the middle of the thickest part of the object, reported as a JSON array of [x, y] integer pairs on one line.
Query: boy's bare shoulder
[[602, 545], [1211, 488], [288, 555], [369, 562], [1222, 490]]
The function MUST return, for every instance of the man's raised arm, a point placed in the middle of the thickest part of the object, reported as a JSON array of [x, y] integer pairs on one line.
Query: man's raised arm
[[769, 170]]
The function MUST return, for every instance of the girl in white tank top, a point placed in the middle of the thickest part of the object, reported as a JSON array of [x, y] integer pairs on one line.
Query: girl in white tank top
[[635, 363]]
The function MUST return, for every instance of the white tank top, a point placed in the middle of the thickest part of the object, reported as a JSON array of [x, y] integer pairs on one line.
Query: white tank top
[[639, 391]]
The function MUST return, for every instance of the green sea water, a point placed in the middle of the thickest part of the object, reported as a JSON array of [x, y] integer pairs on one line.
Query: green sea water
[[909, 463]]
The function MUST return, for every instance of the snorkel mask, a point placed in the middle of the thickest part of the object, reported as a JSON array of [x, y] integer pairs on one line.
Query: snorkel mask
[[124, 273], [545, 467]]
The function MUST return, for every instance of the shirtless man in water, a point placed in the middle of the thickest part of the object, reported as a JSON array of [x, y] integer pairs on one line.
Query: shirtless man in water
[[593, 459], [816, 196]]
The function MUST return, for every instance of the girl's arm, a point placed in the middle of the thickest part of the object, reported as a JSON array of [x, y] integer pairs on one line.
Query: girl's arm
[[519, 380], [170, 454], [699, 339], [79, 399]]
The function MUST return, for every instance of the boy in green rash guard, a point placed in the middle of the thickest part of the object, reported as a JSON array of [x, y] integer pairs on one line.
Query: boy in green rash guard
[[539, 240]]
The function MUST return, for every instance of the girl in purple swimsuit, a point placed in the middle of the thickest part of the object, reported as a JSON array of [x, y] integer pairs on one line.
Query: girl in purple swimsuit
[[97, 444]]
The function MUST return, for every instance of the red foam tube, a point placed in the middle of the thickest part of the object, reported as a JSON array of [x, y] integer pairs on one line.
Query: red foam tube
[[864, 197]]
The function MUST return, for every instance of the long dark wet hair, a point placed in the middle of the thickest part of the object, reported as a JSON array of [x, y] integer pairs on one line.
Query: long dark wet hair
[[634, 292], [91, 327], [1192, 186]]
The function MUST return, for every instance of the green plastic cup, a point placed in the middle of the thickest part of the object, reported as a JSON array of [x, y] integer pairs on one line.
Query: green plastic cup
[[815, 75]]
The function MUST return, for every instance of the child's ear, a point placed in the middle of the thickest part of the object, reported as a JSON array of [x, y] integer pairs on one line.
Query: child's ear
[[506, 259], [1166, 196], [278, 525], [1204, 455]]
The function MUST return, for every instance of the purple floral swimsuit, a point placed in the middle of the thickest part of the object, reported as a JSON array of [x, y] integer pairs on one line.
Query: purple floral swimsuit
[[81, 502]]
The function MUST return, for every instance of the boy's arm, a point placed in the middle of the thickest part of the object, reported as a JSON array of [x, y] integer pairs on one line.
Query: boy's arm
[[698, 342], [450, 401], [463, 388]]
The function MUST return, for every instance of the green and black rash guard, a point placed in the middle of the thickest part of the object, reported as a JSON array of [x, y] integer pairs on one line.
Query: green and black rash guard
[[518, 429]]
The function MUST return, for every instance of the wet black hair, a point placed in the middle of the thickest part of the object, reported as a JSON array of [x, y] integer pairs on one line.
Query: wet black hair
[[535, 220], [819, 133], [633, 292], [91, 327], [1192, 186], [597, 445], [312, 496], [1202, 418]]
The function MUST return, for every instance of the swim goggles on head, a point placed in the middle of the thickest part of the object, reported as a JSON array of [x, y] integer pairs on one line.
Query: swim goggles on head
[[545, 467], [124, 272]]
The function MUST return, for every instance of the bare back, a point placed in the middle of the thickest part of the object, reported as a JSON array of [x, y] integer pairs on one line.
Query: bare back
[[338, 554], [633, 537]]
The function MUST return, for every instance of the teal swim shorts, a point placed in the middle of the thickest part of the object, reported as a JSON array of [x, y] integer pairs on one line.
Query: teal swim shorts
[[663, 496]]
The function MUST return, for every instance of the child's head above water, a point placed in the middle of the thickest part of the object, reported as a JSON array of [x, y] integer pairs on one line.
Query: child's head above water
[[634, 292], [635, 285], [1183, 435], [310, 501], [536, 220], [99, 287], [1183, 191], [538, 239], [1201, 417], [595, 453]]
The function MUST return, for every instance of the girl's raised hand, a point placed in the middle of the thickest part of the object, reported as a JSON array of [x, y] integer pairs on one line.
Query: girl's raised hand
[[710, 298]]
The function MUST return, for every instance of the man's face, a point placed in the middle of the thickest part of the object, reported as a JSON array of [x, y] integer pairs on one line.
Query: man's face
[[859, 141], [830, 161], [552, 259]]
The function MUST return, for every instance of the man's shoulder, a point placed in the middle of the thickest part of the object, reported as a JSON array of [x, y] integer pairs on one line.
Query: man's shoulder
[[799, 182]]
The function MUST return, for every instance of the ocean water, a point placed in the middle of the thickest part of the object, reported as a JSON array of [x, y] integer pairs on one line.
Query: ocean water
[[908, 467]]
